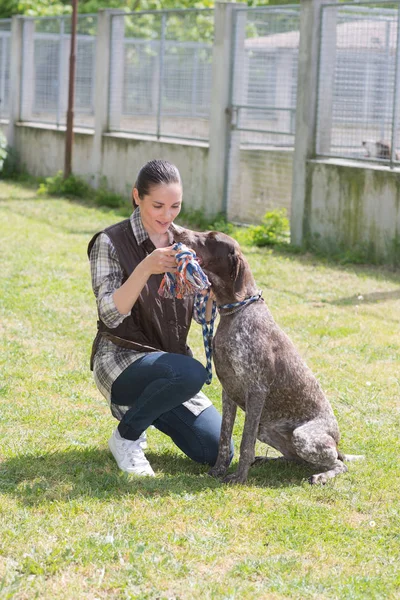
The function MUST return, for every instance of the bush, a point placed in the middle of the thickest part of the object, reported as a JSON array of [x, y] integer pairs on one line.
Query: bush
[[58, 186], [196, 219], [105, 197], [3, 149], [274, 229]]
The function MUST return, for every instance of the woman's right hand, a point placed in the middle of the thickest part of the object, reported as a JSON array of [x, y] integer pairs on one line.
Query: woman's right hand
[[161, 260]]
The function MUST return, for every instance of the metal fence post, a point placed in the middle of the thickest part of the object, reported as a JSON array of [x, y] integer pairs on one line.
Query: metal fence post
[[60, 70], [161, 74], [306, 115], [326, 78], [396, 92], [27, 69], [116, 77]]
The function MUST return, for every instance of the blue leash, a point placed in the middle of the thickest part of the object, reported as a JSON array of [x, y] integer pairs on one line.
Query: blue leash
[[200, 303], [240, 304], [190, 279]]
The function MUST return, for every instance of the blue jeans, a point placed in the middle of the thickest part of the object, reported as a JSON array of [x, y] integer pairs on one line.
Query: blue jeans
[[155, 387]]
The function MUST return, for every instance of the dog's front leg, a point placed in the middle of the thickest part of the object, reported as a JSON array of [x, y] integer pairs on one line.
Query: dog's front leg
[[254, 405], [229, 409]]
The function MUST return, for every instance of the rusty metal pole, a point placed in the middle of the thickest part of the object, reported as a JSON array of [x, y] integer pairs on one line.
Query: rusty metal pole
[[69, 134]]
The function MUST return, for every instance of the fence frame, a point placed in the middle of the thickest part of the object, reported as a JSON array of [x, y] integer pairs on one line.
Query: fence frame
[[358, 8], [162, 42]]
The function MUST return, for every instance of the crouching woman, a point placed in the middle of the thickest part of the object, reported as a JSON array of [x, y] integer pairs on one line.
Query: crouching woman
[[140, 358]]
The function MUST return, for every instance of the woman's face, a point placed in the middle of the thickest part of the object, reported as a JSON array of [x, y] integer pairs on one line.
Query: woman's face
[[160, 207]]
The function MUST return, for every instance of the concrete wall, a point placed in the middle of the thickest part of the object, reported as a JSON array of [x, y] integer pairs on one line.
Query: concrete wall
[[262, 183], [353, 207], [265, 176], [122, 157], [41, 152]]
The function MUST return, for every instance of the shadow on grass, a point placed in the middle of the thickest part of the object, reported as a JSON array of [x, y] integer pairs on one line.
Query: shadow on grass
[[372, 298], [92, 473]]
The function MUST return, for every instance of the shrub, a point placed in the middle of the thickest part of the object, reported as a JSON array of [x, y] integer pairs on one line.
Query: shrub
[[105, 197], [273, 230], [58, 186], [3, 149]]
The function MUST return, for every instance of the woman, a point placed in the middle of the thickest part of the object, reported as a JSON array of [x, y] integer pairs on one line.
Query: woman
[[140, 359]]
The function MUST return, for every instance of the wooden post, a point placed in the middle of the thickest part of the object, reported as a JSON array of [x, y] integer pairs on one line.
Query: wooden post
[[69, 136]]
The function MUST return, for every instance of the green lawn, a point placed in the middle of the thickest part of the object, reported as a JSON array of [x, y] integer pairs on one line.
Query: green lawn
[[74, 527]]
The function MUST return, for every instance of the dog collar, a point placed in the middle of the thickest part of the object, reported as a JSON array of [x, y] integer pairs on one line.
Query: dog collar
[[238, 305]]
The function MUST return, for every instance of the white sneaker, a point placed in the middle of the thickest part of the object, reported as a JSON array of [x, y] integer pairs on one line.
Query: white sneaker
[[129, 454]]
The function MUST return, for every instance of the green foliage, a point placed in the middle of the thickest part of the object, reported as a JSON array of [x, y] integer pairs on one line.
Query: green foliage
[[274, 229], [60, 7], [3, 150], [197, 219], [105, 197], [9, 163], [58, 186]]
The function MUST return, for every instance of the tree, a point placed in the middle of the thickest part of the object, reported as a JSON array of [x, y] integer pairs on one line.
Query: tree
[[59, 7]]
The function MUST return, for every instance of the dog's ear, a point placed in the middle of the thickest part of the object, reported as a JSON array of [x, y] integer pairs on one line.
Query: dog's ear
[[236, 272]]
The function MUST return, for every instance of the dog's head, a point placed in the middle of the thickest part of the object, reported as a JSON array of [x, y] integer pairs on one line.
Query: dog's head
[[222, 261]]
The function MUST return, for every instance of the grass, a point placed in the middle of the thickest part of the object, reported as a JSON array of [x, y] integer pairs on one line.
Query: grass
[[73, 526]]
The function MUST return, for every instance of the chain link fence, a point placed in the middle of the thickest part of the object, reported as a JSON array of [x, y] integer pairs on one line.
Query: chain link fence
[[5, 57], [160, 80], [358, 89], [45, 70], [264, 88]]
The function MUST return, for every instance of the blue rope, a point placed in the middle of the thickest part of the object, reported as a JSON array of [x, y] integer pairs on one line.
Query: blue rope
[[190, 279], [242, 302], [200, 303]]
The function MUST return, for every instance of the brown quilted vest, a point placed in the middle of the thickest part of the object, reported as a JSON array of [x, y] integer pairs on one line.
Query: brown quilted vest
[[154, 323]]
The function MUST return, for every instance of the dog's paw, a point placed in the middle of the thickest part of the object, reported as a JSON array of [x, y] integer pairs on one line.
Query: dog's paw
[[217, 473], [258, 460], [235, 478], [319, 479]]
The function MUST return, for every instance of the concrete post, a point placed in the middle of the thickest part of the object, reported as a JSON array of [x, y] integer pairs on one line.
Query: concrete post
[[220, 104], [15, 76], [306, 114], [102, 89]]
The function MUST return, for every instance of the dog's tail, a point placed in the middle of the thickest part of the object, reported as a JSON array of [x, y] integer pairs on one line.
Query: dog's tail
[[350, 457]]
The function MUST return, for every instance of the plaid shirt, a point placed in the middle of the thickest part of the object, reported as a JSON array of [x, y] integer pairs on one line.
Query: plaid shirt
[[110, 360]]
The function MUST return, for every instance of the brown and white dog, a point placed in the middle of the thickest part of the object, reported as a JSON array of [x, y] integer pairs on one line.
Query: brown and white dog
[[262, 372]]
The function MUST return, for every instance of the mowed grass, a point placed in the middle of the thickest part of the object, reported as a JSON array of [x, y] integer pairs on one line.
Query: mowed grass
[[72, 526]]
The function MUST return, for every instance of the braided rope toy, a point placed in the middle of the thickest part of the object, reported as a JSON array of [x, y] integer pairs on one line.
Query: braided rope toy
[[190, 280]]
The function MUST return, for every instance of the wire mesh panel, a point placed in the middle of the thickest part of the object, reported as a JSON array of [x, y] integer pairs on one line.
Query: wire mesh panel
[[45, 67], [357, 92], [163, 87], [5, 57], [264, 85]]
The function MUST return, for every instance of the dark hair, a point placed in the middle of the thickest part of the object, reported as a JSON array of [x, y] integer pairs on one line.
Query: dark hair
[[156, 172]]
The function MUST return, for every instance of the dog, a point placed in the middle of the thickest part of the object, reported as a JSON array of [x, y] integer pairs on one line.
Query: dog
[[380, 149], [262, 372]]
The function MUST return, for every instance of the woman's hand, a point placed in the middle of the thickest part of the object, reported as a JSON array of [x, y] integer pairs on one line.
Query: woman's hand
[[161, 260]]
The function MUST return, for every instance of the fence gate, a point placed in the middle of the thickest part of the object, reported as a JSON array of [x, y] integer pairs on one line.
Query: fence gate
[[263, 101]]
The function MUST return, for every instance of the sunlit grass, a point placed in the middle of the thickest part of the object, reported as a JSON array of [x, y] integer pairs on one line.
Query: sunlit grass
[[73, 526]]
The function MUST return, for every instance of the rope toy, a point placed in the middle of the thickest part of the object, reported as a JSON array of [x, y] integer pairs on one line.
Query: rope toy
[[190, 280]]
